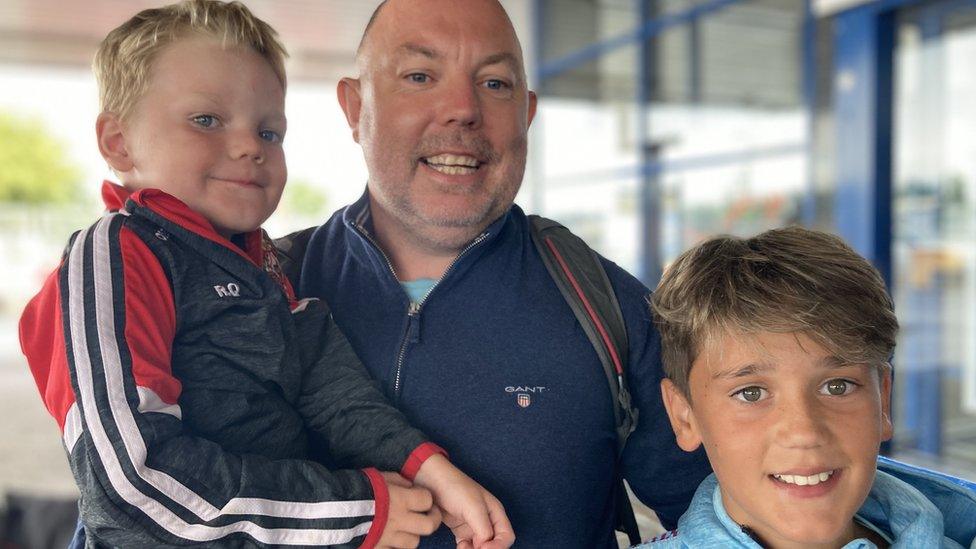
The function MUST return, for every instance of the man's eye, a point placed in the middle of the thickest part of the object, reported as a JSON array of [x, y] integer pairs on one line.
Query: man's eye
[[205, 120], [270, 136], [750, 394], [496, 84], [837, 387], [418, 78]]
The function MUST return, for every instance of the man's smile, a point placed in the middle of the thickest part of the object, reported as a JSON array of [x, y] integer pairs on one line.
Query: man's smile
[[453, 164]]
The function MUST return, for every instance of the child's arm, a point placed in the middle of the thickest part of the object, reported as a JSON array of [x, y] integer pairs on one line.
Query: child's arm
[[98, 341], [342, 404], [475, 516], [345, 412]]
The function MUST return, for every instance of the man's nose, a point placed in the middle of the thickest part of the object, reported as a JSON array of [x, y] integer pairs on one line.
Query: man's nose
[[800, 423], [460, 104]]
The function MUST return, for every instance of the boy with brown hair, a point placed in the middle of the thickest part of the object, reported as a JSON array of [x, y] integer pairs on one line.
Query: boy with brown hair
[[776, 352], [191, 387]]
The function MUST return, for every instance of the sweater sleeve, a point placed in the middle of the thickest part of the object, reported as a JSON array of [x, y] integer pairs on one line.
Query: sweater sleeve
[[98, 339], [344, 408], [662, 475]]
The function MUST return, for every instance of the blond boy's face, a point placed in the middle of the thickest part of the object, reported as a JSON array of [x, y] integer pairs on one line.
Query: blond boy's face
[[791, 432], [209, 131]]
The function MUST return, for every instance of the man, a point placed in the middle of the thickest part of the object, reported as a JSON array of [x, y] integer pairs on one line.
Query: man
[[433, 277]]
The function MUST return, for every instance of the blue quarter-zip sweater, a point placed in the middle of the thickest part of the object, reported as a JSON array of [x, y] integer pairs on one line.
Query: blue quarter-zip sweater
[[494, 367]]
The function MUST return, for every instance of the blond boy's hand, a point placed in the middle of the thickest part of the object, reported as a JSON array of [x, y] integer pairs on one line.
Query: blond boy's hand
[[412, 514], [476, 517]]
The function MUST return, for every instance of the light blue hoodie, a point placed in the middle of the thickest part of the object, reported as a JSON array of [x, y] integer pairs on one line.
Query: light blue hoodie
[[909, 507]]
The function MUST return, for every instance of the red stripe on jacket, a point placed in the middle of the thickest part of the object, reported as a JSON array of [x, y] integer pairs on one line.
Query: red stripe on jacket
[[149, 331], [150, 324], [42, 341]]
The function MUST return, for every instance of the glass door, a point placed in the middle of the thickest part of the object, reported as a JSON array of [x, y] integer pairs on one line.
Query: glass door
[[934, 233]]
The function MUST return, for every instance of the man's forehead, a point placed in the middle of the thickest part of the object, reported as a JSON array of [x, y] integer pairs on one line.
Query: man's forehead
[[434, 53], [429, 27]]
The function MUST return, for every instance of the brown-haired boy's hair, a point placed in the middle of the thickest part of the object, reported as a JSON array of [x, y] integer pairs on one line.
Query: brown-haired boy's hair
[[124, 59], [783, 280]]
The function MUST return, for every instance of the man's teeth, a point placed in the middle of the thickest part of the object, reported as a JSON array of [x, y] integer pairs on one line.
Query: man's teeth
[[453, 170], [453, 164], [801, 480]]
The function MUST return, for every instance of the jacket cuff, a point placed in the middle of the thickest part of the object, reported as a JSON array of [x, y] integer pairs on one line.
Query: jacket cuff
[[381, 502], [417, 458]]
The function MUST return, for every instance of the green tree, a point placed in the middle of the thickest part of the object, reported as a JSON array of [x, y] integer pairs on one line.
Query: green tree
[[304, 199], [34, 168]]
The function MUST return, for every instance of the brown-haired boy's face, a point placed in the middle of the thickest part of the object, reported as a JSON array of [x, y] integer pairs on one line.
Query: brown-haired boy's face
[[791, 432], [208, 131]]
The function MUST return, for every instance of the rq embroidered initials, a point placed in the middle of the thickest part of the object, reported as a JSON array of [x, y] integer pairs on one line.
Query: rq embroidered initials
[[230, 290]]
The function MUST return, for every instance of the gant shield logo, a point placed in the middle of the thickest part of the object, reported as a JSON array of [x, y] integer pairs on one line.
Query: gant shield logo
[[523, 393]]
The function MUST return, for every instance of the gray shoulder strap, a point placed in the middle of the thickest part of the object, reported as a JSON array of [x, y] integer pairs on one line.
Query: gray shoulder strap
[[581, 278]]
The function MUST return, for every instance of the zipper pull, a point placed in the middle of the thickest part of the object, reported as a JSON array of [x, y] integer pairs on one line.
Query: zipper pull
[[413, 329]]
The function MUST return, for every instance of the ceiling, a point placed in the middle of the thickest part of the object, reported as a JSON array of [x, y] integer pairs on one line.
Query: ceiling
[[320, 35]]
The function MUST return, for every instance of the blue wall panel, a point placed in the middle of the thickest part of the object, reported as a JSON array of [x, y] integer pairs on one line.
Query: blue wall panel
[[863, 96]]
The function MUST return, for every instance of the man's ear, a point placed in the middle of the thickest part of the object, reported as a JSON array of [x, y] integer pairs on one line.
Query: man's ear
[[111, 142], [351, 101], [681, 415], [533, 101], [886, 426]]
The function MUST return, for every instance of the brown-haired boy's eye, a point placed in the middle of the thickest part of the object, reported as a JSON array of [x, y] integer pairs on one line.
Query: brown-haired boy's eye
[[751, 394], [837, 387]]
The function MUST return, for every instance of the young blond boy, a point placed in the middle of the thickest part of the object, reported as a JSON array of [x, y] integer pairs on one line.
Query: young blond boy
[[776, 352], [190, 385]]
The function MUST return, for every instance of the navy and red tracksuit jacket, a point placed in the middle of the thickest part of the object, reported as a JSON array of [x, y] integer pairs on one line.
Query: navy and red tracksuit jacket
[[193, 392]]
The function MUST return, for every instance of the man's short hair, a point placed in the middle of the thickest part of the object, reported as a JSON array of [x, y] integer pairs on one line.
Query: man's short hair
[[783, 280], [369, 26], [123, 63]]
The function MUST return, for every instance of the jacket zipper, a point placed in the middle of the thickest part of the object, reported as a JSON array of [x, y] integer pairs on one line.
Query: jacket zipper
[[369, 237], [413, 311]]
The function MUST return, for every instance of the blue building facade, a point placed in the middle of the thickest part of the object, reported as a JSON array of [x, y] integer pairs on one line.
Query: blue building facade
[[665, 121]]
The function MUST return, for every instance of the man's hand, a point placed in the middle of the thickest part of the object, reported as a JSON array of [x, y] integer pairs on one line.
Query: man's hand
[[476, 517], [412, 514]]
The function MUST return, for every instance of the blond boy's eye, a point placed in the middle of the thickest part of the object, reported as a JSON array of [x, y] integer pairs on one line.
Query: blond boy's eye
[[270, 136], [205, 120], [750, 394]]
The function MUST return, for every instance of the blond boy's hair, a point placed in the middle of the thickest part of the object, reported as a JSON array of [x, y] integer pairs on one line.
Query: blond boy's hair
[[783, 280], [123, 63]]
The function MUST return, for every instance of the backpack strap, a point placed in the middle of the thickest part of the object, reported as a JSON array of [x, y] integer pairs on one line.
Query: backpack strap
[[578, 273], [580, 277]]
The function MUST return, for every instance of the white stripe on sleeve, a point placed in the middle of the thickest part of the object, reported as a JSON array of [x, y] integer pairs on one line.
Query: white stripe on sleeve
[[135, 447]]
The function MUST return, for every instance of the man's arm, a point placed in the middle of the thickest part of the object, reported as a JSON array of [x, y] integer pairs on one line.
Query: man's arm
[[98, 341], [662, 476]]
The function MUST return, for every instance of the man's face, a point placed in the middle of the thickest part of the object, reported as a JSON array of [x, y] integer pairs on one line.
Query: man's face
[[791, 431], [208, 131], [441, 111]]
